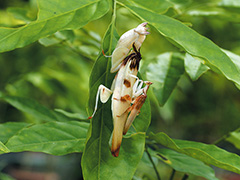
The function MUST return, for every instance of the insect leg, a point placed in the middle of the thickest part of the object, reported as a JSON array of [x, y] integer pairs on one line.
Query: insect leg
[[105, 54], [104, 94], [137, 105], [137, 87]]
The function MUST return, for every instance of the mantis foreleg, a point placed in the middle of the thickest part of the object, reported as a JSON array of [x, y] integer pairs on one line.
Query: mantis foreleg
[[104, 94]]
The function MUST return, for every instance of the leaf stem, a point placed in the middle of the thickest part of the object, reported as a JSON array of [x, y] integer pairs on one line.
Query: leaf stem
[[185, 177], [172, 175], [154, 166], [223, 138]]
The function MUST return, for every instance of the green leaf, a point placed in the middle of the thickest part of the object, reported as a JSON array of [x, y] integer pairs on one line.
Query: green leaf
[[160, 6], [53, 16], [72, 115], [183, 163], [194, 67], [32, 107], [230, 3], [56, 138], [209, 154], [20, 13], [97, 160], [3, 148], [165, 74], [190, 41], [5, 177], [49, 41], [234, 138], [235, 59], [58, 37], [217, 12], [7, 130]]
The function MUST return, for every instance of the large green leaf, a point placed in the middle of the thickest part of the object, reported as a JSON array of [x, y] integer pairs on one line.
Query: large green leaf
[[32, 107], [190, 41], [194, 67], [56, 138], [7, 130], [183, 163], [3, 148], [235, 59], [209, 154], [53, 16], [97, 160], [165, 74]]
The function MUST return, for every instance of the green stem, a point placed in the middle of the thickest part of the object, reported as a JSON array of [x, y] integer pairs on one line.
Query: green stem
[[223, 138], [154, 166], [172, 175], [185, 177]]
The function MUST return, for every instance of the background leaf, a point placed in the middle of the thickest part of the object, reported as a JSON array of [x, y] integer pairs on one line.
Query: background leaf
[[34, 108], [183, 163], [65, 15], [3, 148], [234, 138], [165, 74], [230, 3], [194, 67], [7, 130], [190, 41], [160, 6], [209, 154], [5, 177], [56, 138]]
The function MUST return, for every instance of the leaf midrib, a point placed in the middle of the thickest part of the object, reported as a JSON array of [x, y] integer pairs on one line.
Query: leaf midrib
[[44, 20], [49, 142]]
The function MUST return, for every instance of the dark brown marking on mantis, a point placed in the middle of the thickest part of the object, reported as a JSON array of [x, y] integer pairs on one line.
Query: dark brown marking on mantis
[[115, 153], [125, 98], [127, 83]]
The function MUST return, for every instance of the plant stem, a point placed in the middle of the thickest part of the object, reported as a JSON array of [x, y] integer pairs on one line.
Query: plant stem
[[185, 177], [154, 166], [172, 175], [223, 138]]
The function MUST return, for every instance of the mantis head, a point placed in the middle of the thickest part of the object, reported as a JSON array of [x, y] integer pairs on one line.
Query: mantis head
[[142, 29]]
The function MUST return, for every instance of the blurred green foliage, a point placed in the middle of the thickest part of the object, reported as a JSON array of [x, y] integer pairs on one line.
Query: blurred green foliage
[[55, 70]]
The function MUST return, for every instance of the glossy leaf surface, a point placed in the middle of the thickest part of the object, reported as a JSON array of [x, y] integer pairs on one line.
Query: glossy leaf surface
[[32, 107], [69, 14], [189, 40], [165, 74], [7, 130], [56, 138], [194, 67], [183, 163], [209, 154]]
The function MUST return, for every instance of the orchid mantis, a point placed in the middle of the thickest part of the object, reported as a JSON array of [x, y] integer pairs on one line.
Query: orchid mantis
[[128, 96]]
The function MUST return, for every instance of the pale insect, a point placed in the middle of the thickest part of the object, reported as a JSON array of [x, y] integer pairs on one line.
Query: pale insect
[[136, 36], [128, 94]]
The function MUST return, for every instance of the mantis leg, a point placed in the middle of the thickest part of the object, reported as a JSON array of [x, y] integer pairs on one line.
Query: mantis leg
[[104, 94], [137, 105], [137, 87]]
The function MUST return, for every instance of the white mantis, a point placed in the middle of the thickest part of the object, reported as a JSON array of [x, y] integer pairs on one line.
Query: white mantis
[[128, 94]]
